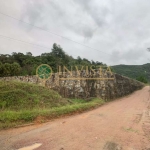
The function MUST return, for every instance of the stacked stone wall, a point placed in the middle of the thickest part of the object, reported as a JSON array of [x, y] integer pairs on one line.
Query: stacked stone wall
[[77, 87]]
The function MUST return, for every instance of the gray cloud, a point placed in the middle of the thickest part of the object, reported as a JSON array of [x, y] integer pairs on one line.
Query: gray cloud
[[99, 13], [116, 27]]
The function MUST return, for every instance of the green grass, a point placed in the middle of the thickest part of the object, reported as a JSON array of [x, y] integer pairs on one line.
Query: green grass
[[22, 103], [18, 95]]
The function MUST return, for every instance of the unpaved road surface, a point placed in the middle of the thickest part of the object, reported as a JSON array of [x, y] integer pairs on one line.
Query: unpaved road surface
[[123, 124]]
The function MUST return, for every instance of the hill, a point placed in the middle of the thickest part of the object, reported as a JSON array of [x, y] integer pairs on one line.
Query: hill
[[133, 71]]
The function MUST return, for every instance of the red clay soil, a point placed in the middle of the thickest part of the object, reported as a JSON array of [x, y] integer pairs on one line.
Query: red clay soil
[[123, 124]]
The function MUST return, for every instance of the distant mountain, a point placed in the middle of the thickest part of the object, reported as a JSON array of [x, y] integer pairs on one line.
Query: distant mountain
[[133, 71]]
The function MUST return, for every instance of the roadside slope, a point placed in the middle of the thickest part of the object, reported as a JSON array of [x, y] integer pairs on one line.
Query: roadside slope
[[24, 103]]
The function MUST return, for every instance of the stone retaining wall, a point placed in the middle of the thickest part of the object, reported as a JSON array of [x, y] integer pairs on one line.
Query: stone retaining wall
[[74, 88]]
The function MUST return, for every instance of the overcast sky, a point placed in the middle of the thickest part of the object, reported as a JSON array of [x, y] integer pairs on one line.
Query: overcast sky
[[117, 30]]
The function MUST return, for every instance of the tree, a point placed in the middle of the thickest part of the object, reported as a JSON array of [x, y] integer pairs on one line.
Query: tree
[[59, 57], [15, 69], [1, 69], [26, 64], [19, 58], [142, 79], [29, 53], [57, 51], [79, 59], [7, 69]]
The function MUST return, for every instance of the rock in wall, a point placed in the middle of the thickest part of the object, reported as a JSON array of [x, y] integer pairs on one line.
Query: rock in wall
[[105, 89], [84, 88]]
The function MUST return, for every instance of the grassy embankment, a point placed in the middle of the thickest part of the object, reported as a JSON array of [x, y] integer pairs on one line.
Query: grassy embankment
[[22, 103]]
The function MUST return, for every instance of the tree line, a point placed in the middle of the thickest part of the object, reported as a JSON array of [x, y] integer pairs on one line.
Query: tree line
[[19, 64]]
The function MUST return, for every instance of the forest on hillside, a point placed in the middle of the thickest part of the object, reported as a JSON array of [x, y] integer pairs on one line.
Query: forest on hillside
[[138, 72], [19, 64]]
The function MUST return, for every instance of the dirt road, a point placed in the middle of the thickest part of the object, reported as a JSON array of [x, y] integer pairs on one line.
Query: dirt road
[[123, 124]]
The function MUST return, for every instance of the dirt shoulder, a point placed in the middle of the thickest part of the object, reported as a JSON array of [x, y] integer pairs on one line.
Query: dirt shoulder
[[121, 124]]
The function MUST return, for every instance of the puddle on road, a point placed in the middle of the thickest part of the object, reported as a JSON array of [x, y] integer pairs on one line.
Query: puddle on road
[[32, 147]]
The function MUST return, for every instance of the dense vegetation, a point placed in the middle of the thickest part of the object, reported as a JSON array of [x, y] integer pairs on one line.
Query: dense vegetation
[[26, 64], [139, 72], [22, 103], [142, 79]]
